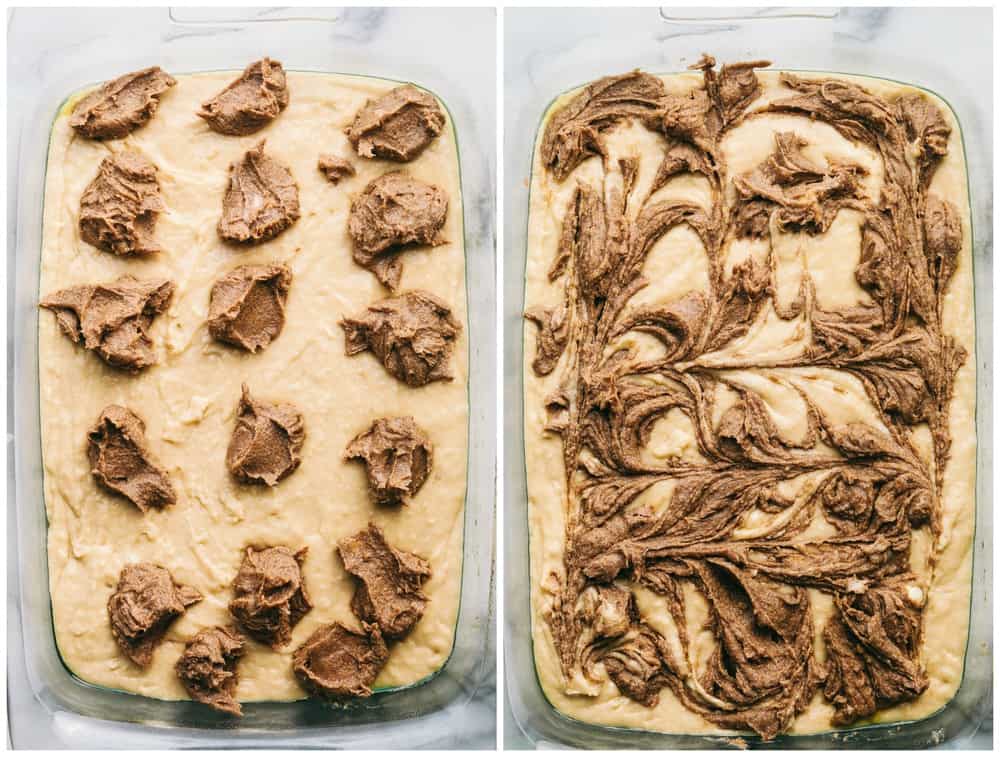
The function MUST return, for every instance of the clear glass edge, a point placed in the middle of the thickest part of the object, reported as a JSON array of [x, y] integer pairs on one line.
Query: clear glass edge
[[573, 732]]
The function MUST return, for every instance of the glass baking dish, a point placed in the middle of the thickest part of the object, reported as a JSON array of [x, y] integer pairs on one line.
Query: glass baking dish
[[886, 43], [56, 52]]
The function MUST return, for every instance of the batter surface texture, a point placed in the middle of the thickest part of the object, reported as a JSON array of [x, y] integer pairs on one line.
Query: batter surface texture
[[749, 402], [189, 392]]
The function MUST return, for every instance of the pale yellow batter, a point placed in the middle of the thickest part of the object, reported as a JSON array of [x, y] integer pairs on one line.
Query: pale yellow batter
[[189, 399], [677, 265]]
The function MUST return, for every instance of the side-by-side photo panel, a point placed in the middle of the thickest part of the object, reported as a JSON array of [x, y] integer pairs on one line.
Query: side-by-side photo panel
[[254, 378], [714, 465], [747, 379]]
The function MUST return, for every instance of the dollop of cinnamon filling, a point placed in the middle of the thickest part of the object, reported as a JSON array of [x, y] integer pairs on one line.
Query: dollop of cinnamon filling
[[121, 462], [207, 668], [144, 604], [398, 457], [118, 107], [413, 335], [261, 201], [249, 103], [247, 306], [393, 211], [338, 663], [118, 209], [266, 445], [397, 126], [269, 594], [335, 169], [389, 593], [869, 483], [113, 319]]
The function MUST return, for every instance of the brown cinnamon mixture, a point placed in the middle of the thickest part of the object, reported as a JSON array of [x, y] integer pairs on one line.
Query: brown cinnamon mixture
[[261, 201], [119, 207], [869, 484], [338, 663], [269, 595], [335, 169], [393, 212], [397, 126], [121, 462], [207, 668], [144, 604], [251, 102], [113, 319], [389, 591], [412, 335], [247, 307], [266, 445], [398, 456], [120, 106]]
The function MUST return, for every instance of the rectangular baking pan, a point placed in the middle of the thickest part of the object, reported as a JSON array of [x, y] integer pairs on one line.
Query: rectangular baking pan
[[58, 51], [880, 42]]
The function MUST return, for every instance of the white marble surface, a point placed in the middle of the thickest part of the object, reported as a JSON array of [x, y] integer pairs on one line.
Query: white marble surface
[[550, 50], [52, 51]]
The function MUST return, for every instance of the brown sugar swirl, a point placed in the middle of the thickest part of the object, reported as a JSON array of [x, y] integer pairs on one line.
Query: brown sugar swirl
[[869, 485]]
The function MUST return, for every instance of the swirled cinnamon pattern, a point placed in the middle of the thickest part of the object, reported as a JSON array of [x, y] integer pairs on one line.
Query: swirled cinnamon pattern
[[753, 521]]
